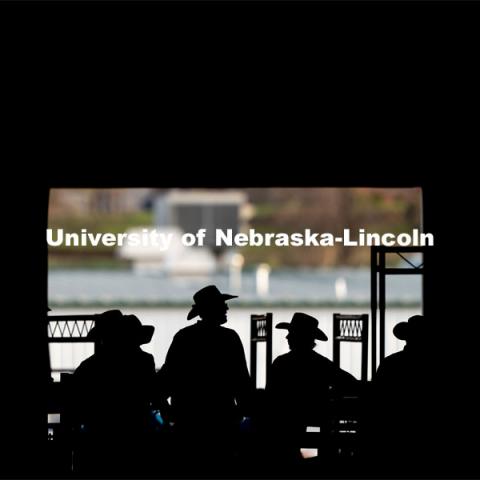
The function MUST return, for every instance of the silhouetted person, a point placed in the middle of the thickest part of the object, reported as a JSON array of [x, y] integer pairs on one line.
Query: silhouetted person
[[401, 369], [299, 385], [402, 402], [112, 392], [205, 374]]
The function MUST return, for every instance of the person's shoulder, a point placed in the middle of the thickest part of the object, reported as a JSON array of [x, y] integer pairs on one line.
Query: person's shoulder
[[92, 360], [228, 334], [86, 365], [394, 358], [145, 356], [391, 363], [282, 359], [323, 362], [227, 331], [186, 331], [319, 358]]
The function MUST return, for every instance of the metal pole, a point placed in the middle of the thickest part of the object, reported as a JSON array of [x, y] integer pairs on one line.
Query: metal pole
[[424, 254], [336, 340], [373, 301], [269, 343], [364, 347], [382, 304], [253, 351]]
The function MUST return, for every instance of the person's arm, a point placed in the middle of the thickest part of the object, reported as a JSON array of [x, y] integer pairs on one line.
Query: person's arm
[[148, 371], [244, 384], [166, 375], [151, 366], [164, 380], [78, 398], [273, 379], [343, 380], [275, 405], [162, 393]]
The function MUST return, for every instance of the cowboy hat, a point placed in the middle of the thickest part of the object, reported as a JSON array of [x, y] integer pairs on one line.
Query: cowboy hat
[[141, 333], [405, 330], [303, 324], [207, 296], [116, 326]]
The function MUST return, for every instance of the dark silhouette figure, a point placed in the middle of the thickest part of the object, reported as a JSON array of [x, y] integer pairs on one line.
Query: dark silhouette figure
[[400, 369], [402, 409], [299, 386], [205, 374], [111, 396]]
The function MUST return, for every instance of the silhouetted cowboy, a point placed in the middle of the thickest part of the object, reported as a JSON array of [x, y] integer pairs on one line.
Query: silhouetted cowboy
[[402, 403], [401, 368], [112, 391], [205, 374], [299, 383]]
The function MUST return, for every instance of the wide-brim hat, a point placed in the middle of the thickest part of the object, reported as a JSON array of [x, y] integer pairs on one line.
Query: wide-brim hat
[[303, 324], [114, 325], [410, 328], [207, 296], [141, 333]]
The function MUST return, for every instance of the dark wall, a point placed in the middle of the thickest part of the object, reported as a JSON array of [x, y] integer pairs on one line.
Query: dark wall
[[448, 210], [24, 348]]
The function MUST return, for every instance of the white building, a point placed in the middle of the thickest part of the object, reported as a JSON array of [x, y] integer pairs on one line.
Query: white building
[[187, 211]]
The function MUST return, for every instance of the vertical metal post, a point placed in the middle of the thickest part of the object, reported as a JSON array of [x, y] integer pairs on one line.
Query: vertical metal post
[[253, 351], [336, 339], [269, 343], [373, 301], [382, 303], [364, 347], [424, 254], [260, 331]]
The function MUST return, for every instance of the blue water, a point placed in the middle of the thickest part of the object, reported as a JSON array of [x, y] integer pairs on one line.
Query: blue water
[[314, 287]]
